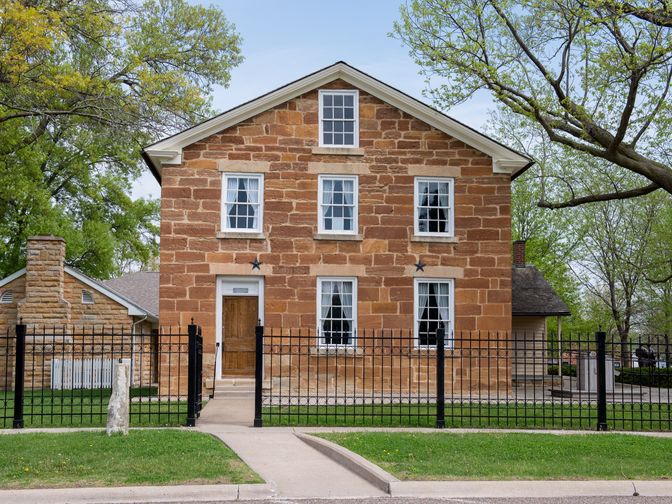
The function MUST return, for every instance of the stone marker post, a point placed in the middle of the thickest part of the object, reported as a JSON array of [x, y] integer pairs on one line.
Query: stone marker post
[[118, 409]]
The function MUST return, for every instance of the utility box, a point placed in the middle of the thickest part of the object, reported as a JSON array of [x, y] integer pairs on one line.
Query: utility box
[[586, 372]]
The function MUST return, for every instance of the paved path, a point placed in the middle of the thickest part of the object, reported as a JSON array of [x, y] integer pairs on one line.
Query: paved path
[[287, 464]]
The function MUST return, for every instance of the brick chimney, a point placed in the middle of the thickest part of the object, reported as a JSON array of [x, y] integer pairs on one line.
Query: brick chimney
[[519, 254], [45, 303]]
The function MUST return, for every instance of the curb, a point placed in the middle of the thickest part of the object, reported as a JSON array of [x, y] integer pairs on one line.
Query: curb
[[133, 495], [351, 461], [537, 489]]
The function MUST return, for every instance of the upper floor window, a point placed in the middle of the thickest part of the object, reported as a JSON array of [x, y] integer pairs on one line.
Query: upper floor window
[[7, 297], [337, 310], [433, 308], [338, 204], [87, 297], [434, 206], [242, 202], [339, 118]]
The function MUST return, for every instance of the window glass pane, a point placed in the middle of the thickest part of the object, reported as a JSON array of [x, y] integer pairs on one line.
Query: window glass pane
[[338, 116], [433, 209], [242, 203], [336, 312], [337, 212], [433, 310]]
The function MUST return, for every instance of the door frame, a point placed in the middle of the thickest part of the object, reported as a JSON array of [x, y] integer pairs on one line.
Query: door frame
[[230, 286]]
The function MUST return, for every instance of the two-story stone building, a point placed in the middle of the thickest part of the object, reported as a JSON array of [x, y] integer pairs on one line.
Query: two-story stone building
[[336, 203]]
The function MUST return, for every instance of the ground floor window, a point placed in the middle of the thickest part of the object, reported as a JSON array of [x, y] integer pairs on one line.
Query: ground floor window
[[433, 307], [337, 310]]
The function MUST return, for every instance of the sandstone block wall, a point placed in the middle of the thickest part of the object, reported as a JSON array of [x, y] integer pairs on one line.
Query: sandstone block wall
[[282, 144]]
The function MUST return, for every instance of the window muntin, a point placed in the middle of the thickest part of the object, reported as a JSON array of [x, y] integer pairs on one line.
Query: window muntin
[[242, 202], [87, 297], [433, 306], [339, 118], [434, 206], [7, 297], [338, 204], [337, 311]]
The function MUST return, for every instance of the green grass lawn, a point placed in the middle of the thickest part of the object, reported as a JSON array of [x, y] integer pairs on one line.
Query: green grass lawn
[[147, 457], [645, 417], [504, 456], [88, 408]]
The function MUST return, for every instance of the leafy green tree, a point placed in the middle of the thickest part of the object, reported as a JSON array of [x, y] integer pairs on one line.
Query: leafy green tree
[[594, 75], [84, 84]]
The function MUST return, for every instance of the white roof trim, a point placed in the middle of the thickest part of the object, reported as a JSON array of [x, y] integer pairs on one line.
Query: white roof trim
[[12, 277], [133, 309], [505, 160]]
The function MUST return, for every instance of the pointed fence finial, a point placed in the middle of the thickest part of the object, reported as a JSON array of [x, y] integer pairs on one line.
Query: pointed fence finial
[[192, 320]]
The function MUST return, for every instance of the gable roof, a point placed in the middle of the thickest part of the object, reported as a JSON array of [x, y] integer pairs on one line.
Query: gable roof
[[136, 307], [169, 150], [141, 287], [531, 294]]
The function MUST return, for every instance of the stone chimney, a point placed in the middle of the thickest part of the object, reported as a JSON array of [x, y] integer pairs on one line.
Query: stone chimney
[[45, 302], [519, 254]]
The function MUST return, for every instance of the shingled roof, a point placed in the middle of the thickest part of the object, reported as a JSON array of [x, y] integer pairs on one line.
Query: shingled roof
[[532, 295], [141, 287]]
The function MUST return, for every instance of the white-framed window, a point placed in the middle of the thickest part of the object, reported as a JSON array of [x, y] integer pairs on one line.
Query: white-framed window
[[7, 297], [87, 297], [434, 206], [242, 202], [336, 311], [337, 196], [339, 118], [433, 306]]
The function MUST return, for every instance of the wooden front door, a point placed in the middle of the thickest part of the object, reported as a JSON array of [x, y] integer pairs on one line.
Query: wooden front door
[[238, 345]]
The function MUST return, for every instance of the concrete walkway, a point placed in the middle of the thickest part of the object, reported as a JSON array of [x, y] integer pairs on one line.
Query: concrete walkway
[[288, 465]]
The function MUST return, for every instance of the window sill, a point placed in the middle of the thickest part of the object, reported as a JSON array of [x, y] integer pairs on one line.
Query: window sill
[[233, 235], [337, 237], [434, 239], [338, 151], [336, 350]]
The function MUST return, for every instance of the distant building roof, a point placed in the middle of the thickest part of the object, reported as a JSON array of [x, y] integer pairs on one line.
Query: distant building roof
[[141, 287], [531, 294]]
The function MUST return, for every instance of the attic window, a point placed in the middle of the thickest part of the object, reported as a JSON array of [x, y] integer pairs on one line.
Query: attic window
[[339, 118], [87, 297], [7, 297]]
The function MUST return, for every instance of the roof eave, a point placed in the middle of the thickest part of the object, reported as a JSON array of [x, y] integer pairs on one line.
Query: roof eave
[[541, 314]]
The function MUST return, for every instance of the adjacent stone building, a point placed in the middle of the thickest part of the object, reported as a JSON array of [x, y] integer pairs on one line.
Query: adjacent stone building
[[49, 296]]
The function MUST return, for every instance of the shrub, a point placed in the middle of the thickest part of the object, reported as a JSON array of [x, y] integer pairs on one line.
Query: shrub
[[646, 377], [567, 369]]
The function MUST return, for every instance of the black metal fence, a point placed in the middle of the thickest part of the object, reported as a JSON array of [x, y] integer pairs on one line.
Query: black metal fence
[[468, 379], [62, 376]]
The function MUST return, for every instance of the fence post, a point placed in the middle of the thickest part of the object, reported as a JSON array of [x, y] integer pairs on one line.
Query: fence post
[[440, 377], [19, 368], [192, 386], [601, 338], [258, 373]]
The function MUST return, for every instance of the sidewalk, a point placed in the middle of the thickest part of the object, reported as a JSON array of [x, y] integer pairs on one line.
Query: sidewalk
[[297, 465], [287, 464]]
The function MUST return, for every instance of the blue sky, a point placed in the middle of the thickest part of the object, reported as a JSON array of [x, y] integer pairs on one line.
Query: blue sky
[[283, 41]]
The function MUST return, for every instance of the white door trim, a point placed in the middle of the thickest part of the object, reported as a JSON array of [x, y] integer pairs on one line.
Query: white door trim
[[235, 286]]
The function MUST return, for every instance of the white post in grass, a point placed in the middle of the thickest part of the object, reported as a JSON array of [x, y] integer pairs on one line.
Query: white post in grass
[[118, 409]]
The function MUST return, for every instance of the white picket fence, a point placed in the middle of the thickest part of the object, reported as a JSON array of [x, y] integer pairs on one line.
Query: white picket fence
[[68, 374]]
